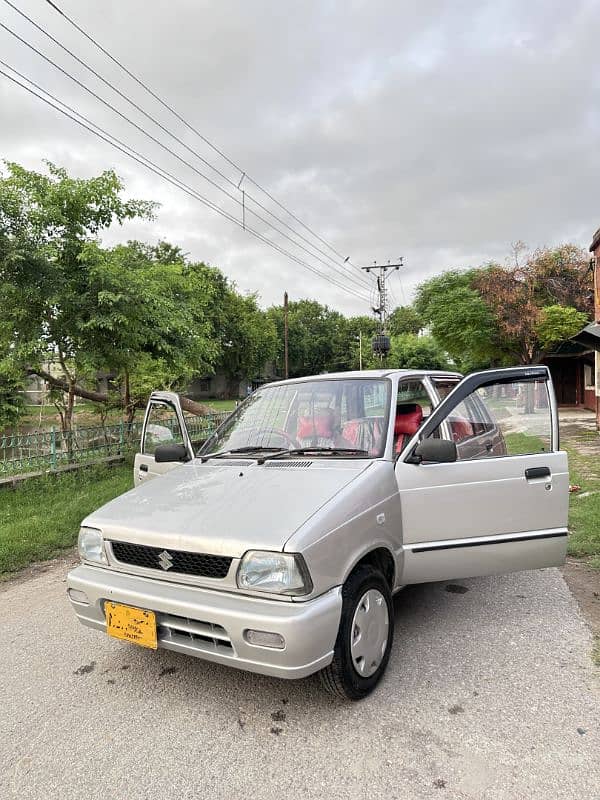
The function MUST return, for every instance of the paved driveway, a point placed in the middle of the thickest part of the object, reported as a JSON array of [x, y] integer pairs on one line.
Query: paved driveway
[[490, 693]]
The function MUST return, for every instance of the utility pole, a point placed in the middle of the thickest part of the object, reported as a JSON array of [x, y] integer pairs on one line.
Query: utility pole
[[381, 342], [382, 271], [285, 333], [359, 337], [360, 350]]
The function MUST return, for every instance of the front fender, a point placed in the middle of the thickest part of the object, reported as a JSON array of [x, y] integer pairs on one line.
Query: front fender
[[364, 516]]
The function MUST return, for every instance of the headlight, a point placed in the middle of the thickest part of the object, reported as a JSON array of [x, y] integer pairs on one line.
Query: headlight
[[278, 573], [91, 545]]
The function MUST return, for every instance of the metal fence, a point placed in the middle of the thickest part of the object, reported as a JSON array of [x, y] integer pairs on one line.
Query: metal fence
[[52, 449]]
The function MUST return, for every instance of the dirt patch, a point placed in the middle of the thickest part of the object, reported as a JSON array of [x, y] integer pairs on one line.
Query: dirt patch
[[10, 579], [584, 583]]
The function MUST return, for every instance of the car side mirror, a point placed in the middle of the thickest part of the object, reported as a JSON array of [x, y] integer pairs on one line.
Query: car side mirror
[[170, 452], [437, 451]]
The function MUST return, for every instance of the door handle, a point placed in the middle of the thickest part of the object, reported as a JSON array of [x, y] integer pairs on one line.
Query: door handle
[[143, 467], [537, 472]]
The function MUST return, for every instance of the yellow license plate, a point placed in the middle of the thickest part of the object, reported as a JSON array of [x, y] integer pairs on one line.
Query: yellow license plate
[[131, 624]]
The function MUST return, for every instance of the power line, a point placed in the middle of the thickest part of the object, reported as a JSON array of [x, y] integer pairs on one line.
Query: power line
[[178, 116], [167, 149], [146, 162], [245, 195]]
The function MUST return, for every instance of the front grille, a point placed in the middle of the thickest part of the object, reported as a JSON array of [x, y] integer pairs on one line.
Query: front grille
[[180, 561], [192, 632]]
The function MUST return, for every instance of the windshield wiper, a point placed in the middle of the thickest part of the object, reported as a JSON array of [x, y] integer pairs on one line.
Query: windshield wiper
[[256, 448], [302, 451]]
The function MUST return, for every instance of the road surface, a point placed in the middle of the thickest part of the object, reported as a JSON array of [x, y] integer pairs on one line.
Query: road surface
[[490, 693]]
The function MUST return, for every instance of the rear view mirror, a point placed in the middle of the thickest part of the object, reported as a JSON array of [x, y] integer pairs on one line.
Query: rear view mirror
[[170, 452], [438, 451]]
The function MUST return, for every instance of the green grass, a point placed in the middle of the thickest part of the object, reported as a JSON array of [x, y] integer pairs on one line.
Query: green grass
[[524, 444], [584, 512], [41, 517], [220, 405]]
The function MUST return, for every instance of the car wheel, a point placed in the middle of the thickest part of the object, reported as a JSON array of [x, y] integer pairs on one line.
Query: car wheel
[[364, 640]]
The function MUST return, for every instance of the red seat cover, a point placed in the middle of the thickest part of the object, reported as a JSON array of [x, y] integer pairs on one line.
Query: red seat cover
[[461, 428], [409, 417], [319, 426]]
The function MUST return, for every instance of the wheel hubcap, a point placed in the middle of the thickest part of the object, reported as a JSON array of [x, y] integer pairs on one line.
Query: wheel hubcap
[[369, 633]]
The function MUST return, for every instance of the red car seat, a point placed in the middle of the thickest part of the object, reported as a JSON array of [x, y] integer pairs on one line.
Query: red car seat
[[318, 427], [409, 417]]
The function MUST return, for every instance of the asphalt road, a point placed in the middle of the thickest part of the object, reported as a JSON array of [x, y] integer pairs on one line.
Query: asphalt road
[[490, 693]]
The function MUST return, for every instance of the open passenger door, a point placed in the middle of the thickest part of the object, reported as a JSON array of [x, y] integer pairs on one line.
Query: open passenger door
[[164, 423], [496, 498]]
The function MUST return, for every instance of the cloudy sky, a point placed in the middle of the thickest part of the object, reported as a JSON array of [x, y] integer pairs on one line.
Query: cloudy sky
[[437, 131]]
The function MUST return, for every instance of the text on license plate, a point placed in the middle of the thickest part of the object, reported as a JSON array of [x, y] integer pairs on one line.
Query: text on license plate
[[131, 624]]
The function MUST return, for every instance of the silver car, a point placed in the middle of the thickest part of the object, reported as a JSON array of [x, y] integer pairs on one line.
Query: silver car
[[277, 544]]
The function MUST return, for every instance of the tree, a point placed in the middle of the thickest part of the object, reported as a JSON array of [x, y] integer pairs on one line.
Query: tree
[[318, 339], [357, 328], [405, 319], [409, 351], [147, 318], [517, 295], [557, 323], [460, 320], [248, 338], [46, 221]]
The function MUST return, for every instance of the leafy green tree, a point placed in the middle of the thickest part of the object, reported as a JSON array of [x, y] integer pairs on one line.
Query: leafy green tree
[[356, 328], [318, 338], [147, 318], [516, 296], [460, 320], [557, 323], [405, 319], [11, 399], [409, 351], [248, 338], [46, 221]]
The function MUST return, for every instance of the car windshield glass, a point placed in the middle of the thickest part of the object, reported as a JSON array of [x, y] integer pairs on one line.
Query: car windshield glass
[[342, 414]]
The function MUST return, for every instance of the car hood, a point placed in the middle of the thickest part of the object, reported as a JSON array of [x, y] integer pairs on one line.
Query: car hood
[[225, 509]]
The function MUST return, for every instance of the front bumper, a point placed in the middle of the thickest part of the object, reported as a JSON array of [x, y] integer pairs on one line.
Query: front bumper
[[210, 624]]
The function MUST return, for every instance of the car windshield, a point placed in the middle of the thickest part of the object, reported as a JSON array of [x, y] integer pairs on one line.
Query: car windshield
[[339, 416]]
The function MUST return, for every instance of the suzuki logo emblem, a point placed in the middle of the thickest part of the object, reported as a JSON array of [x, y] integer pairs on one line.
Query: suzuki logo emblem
[[165, 560]]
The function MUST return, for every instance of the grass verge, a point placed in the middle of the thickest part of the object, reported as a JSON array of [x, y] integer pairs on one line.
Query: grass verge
[[584, 507], [42, 516]]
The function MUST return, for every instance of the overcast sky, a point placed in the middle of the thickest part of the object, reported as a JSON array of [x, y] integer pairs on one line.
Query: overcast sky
[[441, 132]]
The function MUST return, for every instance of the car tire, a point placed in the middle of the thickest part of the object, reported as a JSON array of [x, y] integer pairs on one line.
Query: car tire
[[366, 624]]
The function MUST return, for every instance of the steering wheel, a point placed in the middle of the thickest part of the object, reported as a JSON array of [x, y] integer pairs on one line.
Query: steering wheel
[[278, 432]]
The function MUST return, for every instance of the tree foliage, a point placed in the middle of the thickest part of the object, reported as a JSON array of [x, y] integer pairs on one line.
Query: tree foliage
[[459, 319], [409, 351], [497, 315], [405, 319], [516, 296], [144, 315], [46, 221], [557, 323], [318, 341]]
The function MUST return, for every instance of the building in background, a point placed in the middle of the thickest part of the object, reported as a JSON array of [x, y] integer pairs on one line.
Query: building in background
[[589, 337]]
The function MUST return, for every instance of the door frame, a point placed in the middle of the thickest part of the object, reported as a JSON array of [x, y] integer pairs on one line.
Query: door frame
[[171, 399], [472, 382]]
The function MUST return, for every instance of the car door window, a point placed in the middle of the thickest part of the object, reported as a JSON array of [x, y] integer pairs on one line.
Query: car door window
[[162, 427], [502, 418], [413, 406]]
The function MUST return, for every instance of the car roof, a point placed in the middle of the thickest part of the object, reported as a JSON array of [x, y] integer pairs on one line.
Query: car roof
[[369, 373]]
